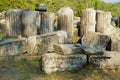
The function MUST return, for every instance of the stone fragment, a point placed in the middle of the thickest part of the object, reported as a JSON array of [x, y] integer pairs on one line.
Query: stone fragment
[[90, 50], [47, 22], [32, 45], [65, 20], [29, 23], [115, 44], [46, 41], [53, 62], [110, 60], [65, 49], [95, 39], [103, 24], [13, 19], [88, 21], [12, 47]]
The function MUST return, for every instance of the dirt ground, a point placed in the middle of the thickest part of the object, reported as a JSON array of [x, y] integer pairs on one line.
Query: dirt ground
[[24, 69]]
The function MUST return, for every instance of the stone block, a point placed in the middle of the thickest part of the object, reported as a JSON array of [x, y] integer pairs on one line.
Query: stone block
[[46, 41], [95, 39], [12, 47], [90, 50], [13, 21], [115, 44], [65, 49], [32, 45], [109, 60], [53, 62]]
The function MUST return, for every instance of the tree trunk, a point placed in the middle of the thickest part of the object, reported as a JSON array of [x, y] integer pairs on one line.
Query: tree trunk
[[29, 23], [88, 21], [14, 22], [65, 20], [47, 22], [103, 22]]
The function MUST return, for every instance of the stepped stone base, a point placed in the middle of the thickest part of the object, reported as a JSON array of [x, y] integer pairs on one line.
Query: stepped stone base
[[53, 62]]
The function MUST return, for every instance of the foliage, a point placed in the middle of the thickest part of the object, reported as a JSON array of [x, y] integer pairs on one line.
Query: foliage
[[55, 5]]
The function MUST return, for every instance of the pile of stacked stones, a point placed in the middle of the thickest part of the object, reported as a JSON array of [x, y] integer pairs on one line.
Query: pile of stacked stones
[[98, 46], [99, 40]]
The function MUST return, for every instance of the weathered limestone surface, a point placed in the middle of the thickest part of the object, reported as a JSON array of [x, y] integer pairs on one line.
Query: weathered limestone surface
[[90, 50], [29, 23], [53, 62], [14, 22], [88, 21], [95, 39], [73, 40], [46, 41], [104, 22], [47, 22], [110, 59], [115, 44], [2, 19], [12, 47], [32, 45], [65, 20], [65, 49]]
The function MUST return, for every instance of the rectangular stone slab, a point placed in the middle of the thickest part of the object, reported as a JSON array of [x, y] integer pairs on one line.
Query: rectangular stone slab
[[53, 62], [110, 59], [67, 49], [12, 47]]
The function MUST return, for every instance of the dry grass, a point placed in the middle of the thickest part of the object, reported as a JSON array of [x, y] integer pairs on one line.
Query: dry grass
[[25, 69]]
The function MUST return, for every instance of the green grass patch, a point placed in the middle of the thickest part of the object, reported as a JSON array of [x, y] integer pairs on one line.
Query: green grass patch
[[24, 69]]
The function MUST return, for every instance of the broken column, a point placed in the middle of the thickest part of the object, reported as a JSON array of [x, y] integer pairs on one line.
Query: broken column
[[29, 23], [14, 22], [47, 22], [65, 20], [88, 21], [104, 22]]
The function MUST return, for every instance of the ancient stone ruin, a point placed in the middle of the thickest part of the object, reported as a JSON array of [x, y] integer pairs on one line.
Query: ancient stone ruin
[[89, 39]]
